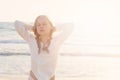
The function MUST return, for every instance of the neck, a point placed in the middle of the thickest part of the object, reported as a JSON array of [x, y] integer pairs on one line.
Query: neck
[[44, 38]]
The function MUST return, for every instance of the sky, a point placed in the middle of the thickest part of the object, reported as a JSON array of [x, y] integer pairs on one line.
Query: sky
[[96, 21], [83, 11], [28, 10]]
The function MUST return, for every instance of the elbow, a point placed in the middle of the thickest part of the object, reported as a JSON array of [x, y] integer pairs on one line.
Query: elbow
[[16, 23]]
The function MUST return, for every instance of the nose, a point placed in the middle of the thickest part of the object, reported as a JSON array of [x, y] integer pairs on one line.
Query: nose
[[40, 27]]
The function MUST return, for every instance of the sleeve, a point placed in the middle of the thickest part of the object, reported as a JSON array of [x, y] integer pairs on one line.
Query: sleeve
[[64, 30], [23, 29]]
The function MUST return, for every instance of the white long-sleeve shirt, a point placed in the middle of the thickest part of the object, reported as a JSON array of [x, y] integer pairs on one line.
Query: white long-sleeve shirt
[[44, 64]]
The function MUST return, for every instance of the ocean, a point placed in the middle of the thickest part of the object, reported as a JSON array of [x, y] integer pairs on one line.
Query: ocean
[[12, 44], [76, 45], [78, 60]]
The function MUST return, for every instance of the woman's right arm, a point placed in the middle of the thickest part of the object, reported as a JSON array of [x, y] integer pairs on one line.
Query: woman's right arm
[[23, 29]]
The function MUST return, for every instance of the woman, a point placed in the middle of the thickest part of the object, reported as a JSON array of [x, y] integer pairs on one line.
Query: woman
[[43, 45]]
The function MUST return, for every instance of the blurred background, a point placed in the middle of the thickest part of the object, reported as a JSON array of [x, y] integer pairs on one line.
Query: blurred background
[[92, 50]]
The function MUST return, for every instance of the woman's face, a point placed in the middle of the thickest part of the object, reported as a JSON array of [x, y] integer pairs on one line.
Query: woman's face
[[43, 26]]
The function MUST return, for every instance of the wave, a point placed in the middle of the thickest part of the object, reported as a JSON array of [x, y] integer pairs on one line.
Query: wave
[[11, 54], [12, 41]]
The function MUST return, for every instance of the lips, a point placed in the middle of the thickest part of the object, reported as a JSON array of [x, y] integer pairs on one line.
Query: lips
[[41, 30]]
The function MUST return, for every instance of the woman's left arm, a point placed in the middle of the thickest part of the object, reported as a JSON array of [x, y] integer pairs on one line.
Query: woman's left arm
[[65, 31]]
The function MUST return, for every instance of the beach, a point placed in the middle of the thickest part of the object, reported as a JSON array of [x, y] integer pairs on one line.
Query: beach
[[69, 68], [76, 61], [91, 52]]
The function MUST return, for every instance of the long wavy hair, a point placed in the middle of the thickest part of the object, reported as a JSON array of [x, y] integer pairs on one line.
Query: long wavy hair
[[37, 36]]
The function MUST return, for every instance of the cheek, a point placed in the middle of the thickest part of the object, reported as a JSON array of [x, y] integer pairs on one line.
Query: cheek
[[48, 29]]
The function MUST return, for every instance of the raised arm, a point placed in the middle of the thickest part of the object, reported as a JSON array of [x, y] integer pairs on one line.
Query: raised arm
[[65, 31], [23, 29]]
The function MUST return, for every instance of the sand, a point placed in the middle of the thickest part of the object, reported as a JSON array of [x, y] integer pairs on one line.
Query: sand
[[69, 68]]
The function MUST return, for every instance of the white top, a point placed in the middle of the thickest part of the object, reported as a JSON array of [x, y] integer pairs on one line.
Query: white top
[[43, 65]]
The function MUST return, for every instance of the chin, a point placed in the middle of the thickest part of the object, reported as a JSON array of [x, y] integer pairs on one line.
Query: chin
[[41, 33]]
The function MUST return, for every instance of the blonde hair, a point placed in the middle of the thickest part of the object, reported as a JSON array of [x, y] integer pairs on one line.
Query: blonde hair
[[34, 29]]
